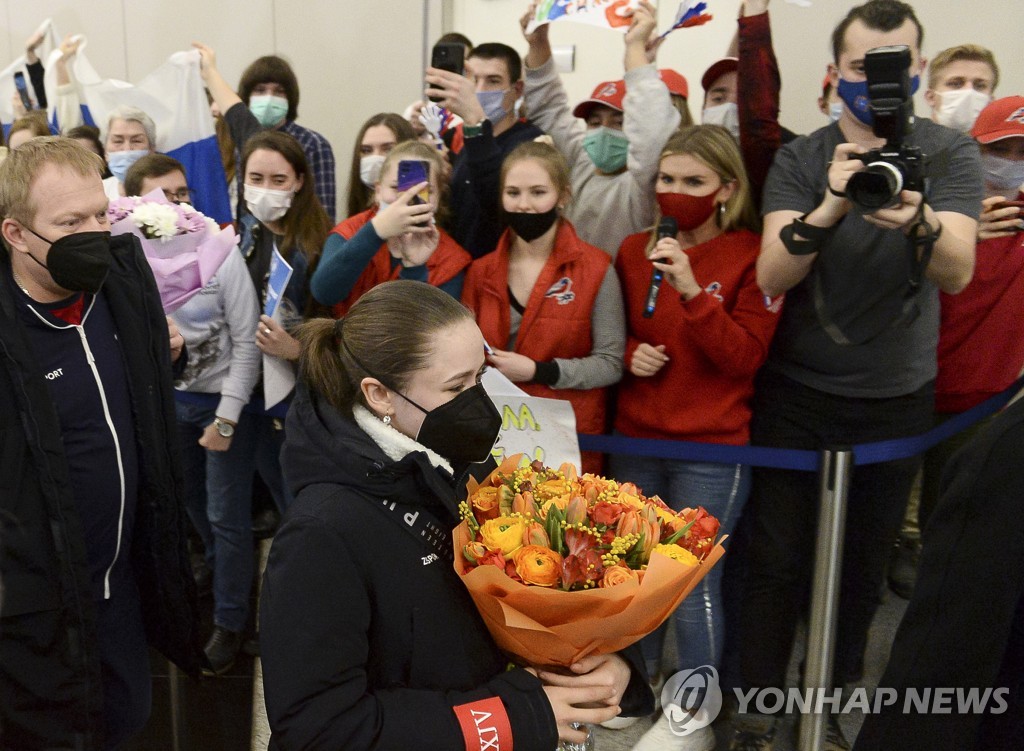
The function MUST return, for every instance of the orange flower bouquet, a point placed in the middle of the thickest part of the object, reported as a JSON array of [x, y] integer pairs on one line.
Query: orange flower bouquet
[[561, 566]]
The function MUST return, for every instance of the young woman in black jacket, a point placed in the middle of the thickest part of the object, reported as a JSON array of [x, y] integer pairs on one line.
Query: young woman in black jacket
[[368, 638]]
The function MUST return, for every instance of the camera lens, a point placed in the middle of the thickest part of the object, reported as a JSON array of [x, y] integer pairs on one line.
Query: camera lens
[[875, 186]]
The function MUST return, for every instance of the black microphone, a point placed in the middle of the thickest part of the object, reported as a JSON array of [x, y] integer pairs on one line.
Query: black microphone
[[667, 227]]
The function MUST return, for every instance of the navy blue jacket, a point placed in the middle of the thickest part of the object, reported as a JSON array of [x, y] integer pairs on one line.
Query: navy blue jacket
[[367, 641], [50, 683]]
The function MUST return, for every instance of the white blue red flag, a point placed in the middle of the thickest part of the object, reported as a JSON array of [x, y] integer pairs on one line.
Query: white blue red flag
[[174, 96], [690, 13]]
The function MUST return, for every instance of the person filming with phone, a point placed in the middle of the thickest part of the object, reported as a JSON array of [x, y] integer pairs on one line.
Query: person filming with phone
[[399, 237], [485, 99]]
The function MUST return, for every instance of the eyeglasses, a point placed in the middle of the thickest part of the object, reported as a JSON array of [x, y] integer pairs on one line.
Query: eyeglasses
[[179, 196]]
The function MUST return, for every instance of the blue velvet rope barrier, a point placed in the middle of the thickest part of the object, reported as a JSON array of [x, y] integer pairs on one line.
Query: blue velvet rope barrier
[[799, 459]]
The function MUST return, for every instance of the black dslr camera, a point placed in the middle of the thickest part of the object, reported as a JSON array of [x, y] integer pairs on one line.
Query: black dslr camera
[[895, 166]]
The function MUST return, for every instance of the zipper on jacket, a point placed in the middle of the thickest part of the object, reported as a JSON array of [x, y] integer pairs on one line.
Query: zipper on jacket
[[80, 328], [117, 449]]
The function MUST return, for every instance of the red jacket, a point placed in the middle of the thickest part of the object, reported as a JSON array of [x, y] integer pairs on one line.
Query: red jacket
[[448, 260], [980, 352], [715, 343], [556, 322]]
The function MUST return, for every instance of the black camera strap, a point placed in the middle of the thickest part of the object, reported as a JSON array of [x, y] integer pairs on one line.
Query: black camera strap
[[921, 240]]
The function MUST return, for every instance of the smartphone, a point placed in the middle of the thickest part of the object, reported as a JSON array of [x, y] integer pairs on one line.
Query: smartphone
[[448, 56], [22, 87], [413, 172], [1009, 204]]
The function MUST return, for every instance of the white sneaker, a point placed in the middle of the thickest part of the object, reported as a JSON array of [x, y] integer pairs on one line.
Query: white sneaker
[[661, 738], [619, 723]]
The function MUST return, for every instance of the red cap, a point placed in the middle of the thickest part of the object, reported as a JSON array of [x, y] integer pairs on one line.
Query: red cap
[[717, 70], [676, 82], [608, 93], [1003, 118], [825, 83]]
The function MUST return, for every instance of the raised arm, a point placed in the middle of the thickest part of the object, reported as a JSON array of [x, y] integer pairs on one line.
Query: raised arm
[[546, 100], [758, 90]]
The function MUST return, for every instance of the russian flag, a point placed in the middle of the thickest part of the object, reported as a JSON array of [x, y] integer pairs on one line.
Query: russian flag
[[174, 96], [690, 13]]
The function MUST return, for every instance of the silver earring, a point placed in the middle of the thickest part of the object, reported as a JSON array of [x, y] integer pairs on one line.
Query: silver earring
[[386, 419]]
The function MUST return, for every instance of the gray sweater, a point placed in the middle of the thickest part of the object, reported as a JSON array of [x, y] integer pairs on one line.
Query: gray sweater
[[219, 326]]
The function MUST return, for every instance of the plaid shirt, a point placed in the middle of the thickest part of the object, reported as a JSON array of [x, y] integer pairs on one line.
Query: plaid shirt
[[321, 163]]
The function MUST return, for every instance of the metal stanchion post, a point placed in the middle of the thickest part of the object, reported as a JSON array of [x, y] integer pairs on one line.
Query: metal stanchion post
[[821, 628]]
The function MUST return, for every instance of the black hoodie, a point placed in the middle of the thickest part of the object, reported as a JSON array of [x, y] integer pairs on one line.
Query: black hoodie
[[367, 640]]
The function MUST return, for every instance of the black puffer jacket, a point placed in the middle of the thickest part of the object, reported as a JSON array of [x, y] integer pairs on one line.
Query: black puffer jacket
[[367, 641], [50, 686]]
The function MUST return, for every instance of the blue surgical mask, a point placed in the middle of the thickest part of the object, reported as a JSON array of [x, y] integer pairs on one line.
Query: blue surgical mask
[[1002, 173], [835, 111], [493, 103], [121, 161], [855, 95]]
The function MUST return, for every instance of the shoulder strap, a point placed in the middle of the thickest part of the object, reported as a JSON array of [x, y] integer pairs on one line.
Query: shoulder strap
[[418, 522]]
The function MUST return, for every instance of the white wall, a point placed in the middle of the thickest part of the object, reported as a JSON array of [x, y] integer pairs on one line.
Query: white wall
[[358, 57], [353, 59], [801, 37]]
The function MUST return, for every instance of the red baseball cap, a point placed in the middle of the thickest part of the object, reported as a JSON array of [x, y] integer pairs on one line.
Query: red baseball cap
[[608, 93], [717, 70], [1003, 118], [676, 82]]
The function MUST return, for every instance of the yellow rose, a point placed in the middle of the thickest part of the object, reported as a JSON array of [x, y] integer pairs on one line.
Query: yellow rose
[[618, 575], [538, 566], [677, 553], [505, 533]]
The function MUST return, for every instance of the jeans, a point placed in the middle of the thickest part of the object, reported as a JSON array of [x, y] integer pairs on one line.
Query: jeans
[[218, 492], [779, 549], [269, 440], [720, 488]]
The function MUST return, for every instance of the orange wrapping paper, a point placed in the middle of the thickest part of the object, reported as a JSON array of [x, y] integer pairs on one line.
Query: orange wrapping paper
[[552, 627]]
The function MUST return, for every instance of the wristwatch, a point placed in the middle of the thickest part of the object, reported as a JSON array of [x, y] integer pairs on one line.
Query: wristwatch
[[224, 428]]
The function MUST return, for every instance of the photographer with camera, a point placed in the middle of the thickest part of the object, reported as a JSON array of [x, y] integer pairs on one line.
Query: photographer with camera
[[860, 249]]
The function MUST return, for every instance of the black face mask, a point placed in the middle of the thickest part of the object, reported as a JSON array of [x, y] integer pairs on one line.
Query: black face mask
[[78, 262], [463, 430], [531, 226]]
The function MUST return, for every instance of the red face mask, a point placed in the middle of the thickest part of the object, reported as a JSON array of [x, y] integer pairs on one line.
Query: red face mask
[[689, 211]]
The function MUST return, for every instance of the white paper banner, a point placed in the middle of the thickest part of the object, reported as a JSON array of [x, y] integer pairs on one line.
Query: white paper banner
[[542, 429]]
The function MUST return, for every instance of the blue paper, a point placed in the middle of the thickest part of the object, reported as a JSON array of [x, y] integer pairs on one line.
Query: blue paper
[[280, 274]]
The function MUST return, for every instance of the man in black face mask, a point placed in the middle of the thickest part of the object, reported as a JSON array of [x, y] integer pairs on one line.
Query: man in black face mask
[[92, 528]]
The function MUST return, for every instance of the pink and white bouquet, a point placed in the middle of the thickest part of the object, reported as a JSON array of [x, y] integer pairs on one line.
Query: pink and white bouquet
[[184, 248]]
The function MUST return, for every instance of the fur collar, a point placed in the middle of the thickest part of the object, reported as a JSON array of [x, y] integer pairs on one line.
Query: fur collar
[[395, 444]]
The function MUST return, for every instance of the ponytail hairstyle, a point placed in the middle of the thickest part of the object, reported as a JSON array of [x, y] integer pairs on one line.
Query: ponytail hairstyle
[[306, 224], [388, 335]]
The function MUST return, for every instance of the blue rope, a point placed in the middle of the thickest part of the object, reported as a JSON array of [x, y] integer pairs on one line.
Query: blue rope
[[798, 459]]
